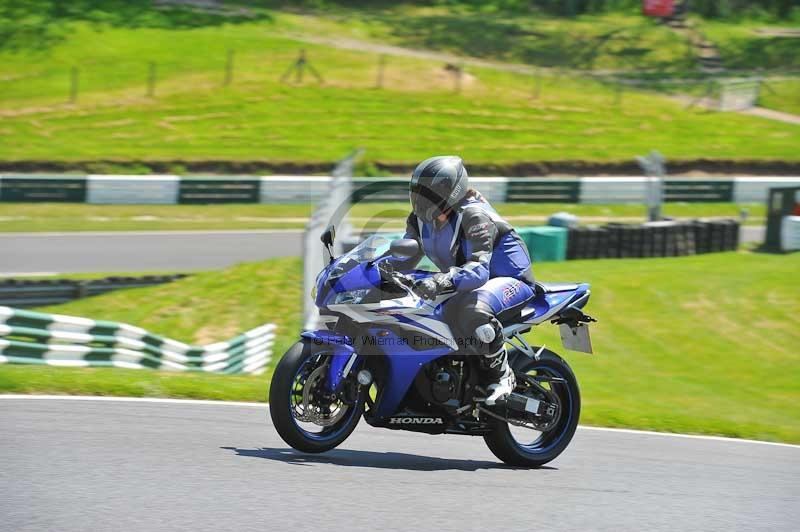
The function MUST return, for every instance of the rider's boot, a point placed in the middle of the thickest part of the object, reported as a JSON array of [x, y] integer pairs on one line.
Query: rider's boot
[[500, 375]]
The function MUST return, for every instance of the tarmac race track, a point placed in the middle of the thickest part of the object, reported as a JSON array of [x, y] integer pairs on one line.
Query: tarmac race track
[[173, 251], [144, 465], [142, 251]]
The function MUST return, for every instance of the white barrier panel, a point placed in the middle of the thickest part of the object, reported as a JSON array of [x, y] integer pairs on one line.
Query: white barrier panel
[[494, 189], [614, 189], [294, 189], [132, 189], [756, 189], [790, 233]]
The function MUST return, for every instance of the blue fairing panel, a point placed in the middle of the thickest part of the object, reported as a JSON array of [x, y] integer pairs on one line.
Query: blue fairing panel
[[546, 305], [404, 362], [341, 349]]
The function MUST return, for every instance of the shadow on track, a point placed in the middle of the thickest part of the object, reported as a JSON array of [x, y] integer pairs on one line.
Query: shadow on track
[[353, 458]]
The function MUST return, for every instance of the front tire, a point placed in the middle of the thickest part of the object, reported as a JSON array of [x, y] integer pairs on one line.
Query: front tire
[[502, 442], [282, 402]]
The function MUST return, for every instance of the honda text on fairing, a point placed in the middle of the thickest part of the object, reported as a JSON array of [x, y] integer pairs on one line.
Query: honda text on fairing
[[386, 354]]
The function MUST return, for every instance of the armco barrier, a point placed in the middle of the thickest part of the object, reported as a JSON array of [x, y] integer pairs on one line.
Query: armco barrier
[[125, 189], [36, 338], [613, 189], [39, 292], [219, 190], [695, 190], [756, 189], [530, 190], [372, 190], [71, 189], [494, 189], [294, 189], [305, 189]]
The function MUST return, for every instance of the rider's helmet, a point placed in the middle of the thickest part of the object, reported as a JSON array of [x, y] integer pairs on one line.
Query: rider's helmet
[[437, 185]]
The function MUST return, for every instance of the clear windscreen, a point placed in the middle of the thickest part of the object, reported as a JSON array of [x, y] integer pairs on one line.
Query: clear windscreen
[[370, 249], [378, 245]]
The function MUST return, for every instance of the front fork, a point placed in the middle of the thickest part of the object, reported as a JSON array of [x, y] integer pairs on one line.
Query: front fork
[[344, 360]]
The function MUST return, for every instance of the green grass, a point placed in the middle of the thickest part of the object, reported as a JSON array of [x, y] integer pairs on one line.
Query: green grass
[[35, 217], [704, 344], [609, 41], [207, 307], [495, 119], [748, 44], [781, 96], [132, 383]]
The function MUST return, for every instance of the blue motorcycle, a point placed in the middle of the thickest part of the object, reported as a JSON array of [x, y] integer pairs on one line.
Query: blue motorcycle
[[385, 354]]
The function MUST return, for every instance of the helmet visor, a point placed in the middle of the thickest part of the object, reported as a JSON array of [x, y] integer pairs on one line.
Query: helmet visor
[[426, 204]]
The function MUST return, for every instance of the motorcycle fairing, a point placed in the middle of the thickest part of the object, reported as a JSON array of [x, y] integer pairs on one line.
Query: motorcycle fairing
[[404, 361], [342, 350]]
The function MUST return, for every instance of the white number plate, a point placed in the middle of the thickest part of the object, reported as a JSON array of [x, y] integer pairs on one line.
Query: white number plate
[[576, 338]]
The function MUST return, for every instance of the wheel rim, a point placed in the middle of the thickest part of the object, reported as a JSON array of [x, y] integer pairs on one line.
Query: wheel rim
[[541, 442], [316, 415]]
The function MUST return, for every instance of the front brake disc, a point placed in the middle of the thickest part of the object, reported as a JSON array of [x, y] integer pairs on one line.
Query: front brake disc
[[314, 412]]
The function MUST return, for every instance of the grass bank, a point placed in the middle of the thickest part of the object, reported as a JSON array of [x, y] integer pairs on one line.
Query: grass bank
[[781, 96], [491, 117], [45, 217], [704, 344]]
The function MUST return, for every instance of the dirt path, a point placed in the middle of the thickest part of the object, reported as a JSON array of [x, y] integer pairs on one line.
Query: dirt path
[[772, 115], [388, 49]]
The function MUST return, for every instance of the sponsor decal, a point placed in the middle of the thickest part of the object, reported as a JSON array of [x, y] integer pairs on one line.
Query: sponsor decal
[[478, 228], [413, 420], [510, 291]]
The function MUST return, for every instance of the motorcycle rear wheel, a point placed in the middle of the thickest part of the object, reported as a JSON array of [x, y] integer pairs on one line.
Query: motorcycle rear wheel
[[283, 394], [551, 443]]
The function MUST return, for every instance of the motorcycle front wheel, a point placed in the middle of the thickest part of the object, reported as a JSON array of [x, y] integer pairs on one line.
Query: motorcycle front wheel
[[304, 414], [527, 447]]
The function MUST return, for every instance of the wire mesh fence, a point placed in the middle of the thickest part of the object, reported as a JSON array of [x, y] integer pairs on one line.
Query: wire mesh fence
[[108, 78]]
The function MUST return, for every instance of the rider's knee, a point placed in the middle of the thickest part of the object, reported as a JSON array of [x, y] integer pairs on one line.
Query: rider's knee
[[483, 330]]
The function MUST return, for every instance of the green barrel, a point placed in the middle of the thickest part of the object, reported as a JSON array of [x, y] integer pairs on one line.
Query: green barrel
[[545, 243]]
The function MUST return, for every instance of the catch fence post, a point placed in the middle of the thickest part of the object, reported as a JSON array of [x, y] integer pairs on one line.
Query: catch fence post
[[73, 84], [229, 68], [151, 79], [655, 170], [381, 67]]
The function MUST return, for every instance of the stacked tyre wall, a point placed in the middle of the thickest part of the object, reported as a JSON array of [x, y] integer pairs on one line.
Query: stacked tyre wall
[[657, 239]]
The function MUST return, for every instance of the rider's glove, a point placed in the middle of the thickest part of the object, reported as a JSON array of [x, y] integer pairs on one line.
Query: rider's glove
[[430, 287]]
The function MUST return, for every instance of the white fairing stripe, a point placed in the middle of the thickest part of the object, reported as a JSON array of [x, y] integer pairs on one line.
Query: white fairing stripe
[[409, 308], [455, 230]]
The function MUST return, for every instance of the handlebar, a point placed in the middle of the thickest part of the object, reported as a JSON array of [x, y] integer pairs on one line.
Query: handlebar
[[400, 280]]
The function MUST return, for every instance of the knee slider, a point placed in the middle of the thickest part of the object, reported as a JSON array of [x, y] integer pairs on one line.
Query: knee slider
[[485, 333], [490, 336]]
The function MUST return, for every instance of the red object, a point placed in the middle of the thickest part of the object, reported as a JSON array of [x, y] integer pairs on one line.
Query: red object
[[658, 8]]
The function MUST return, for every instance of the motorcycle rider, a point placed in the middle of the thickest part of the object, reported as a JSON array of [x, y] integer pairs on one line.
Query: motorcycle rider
[[480, 257]]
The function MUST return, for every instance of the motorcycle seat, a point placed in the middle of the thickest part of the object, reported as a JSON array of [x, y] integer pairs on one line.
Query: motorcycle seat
[[552, 288]]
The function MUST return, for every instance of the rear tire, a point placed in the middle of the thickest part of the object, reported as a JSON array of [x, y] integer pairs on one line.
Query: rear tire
[[501, 441], [281, 408]]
